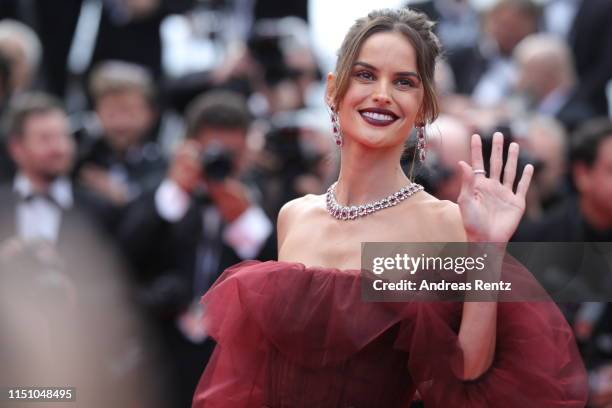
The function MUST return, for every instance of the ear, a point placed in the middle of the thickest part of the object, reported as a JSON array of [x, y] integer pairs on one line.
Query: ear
[[581, 176], [15, 149], [330, 90]]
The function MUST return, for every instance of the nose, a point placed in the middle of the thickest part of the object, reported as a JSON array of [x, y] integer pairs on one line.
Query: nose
[[62, 144], [381, 95]]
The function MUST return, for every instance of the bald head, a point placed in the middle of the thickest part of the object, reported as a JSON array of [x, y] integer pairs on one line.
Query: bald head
[[545, 65]]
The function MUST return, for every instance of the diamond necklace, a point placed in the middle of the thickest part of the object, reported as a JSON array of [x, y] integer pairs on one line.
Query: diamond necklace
[[344, 213]]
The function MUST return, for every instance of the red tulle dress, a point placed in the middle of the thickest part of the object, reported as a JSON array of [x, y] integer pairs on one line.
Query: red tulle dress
[[290, 336]]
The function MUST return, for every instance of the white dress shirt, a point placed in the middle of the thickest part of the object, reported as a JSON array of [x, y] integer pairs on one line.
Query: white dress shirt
[[246, 235], [559, 16], [552, 104], [496, 82], [39, 216]]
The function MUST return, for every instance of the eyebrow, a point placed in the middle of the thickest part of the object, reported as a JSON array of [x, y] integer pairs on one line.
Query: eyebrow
[[373, 68]]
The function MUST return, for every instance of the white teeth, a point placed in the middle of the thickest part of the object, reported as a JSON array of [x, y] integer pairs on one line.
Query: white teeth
[[377, 116]]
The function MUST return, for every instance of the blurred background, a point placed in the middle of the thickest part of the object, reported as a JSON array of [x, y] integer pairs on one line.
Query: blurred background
[[146, 145]]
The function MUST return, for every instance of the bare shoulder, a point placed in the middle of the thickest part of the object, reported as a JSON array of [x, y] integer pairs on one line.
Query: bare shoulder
[[306, 206], [445, 209], [443, 216], [300, 206]]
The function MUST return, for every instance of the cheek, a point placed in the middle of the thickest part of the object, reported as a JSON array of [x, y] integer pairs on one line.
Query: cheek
[[105, 113], [138, 118], [355, 94], [411, 106], [58, 148], [601, 184], [348, 121], [69, 147], [42, 155], [608, 184], [237, 147]]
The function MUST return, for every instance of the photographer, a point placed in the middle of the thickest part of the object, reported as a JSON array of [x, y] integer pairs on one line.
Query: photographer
[[120, 157], [200, 220]]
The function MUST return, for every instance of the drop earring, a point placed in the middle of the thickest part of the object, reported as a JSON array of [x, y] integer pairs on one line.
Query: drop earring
[[335, 126], [421, 141]]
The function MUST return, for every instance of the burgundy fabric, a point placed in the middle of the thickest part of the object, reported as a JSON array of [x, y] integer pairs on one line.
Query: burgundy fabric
[[291, 336]]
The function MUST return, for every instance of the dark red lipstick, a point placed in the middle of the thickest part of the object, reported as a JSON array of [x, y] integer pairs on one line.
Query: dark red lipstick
[[378, 116]]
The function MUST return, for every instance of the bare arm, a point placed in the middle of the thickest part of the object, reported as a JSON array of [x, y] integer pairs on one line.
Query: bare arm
[[490, 211], [477, 337], [477, 333]]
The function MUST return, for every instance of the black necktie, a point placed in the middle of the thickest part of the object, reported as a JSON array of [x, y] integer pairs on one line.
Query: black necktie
[[45, 196]]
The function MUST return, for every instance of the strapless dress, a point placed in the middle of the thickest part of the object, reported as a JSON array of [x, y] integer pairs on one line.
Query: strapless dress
[[291, 336]]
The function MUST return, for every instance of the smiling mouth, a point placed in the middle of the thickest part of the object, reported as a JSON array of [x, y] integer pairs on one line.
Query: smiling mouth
[[378, 117]]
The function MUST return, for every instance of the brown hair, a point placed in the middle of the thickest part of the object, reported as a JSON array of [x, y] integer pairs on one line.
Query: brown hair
[[527, 7], [25, 106], [111, 77], [217, 109], [417, 28], [586, 141]]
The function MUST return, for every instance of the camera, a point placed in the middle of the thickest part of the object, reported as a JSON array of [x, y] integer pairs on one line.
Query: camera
[[217, 162]]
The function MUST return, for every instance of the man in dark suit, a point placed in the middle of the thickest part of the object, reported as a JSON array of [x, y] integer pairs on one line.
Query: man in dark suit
[[122, 158], [7, 167], [42, 203], [42, 199], [591, 42], [203, 218], [547, 78], [44, 206], [586, 218], [485, 71]]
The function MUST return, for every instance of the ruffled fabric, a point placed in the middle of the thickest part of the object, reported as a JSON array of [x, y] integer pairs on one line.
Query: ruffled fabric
[[294, 336]]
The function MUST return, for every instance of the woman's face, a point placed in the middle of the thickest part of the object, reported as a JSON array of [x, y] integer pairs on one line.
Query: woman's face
[[385, 93]]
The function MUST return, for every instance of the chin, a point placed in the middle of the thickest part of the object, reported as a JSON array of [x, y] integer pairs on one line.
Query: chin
[[378, 142], [51, 176], [382, 138], [53, 173]]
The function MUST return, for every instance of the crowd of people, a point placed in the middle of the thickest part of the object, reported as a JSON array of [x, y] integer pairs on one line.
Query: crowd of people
[[147, 145]]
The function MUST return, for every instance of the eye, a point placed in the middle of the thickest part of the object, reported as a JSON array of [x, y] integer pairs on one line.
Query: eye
[[364, 75], [406, 83]]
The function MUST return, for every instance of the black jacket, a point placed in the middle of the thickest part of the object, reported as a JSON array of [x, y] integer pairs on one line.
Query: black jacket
[[591, 42], [165, 254]]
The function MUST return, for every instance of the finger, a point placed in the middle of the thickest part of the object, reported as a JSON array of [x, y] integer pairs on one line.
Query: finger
[[497, 150], [523, 184], [89, 175], [511, 162], [90, 169], [476, 147], [467, 177]]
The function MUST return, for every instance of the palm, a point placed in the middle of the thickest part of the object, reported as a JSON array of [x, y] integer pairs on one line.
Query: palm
[[490, 209]]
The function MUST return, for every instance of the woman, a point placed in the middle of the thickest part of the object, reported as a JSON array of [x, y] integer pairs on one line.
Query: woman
[[295, 333]]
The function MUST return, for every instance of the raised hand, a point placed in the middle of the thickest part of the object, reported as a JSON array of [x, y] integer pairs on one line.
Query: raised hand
[[490, 209], [186, 168]]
